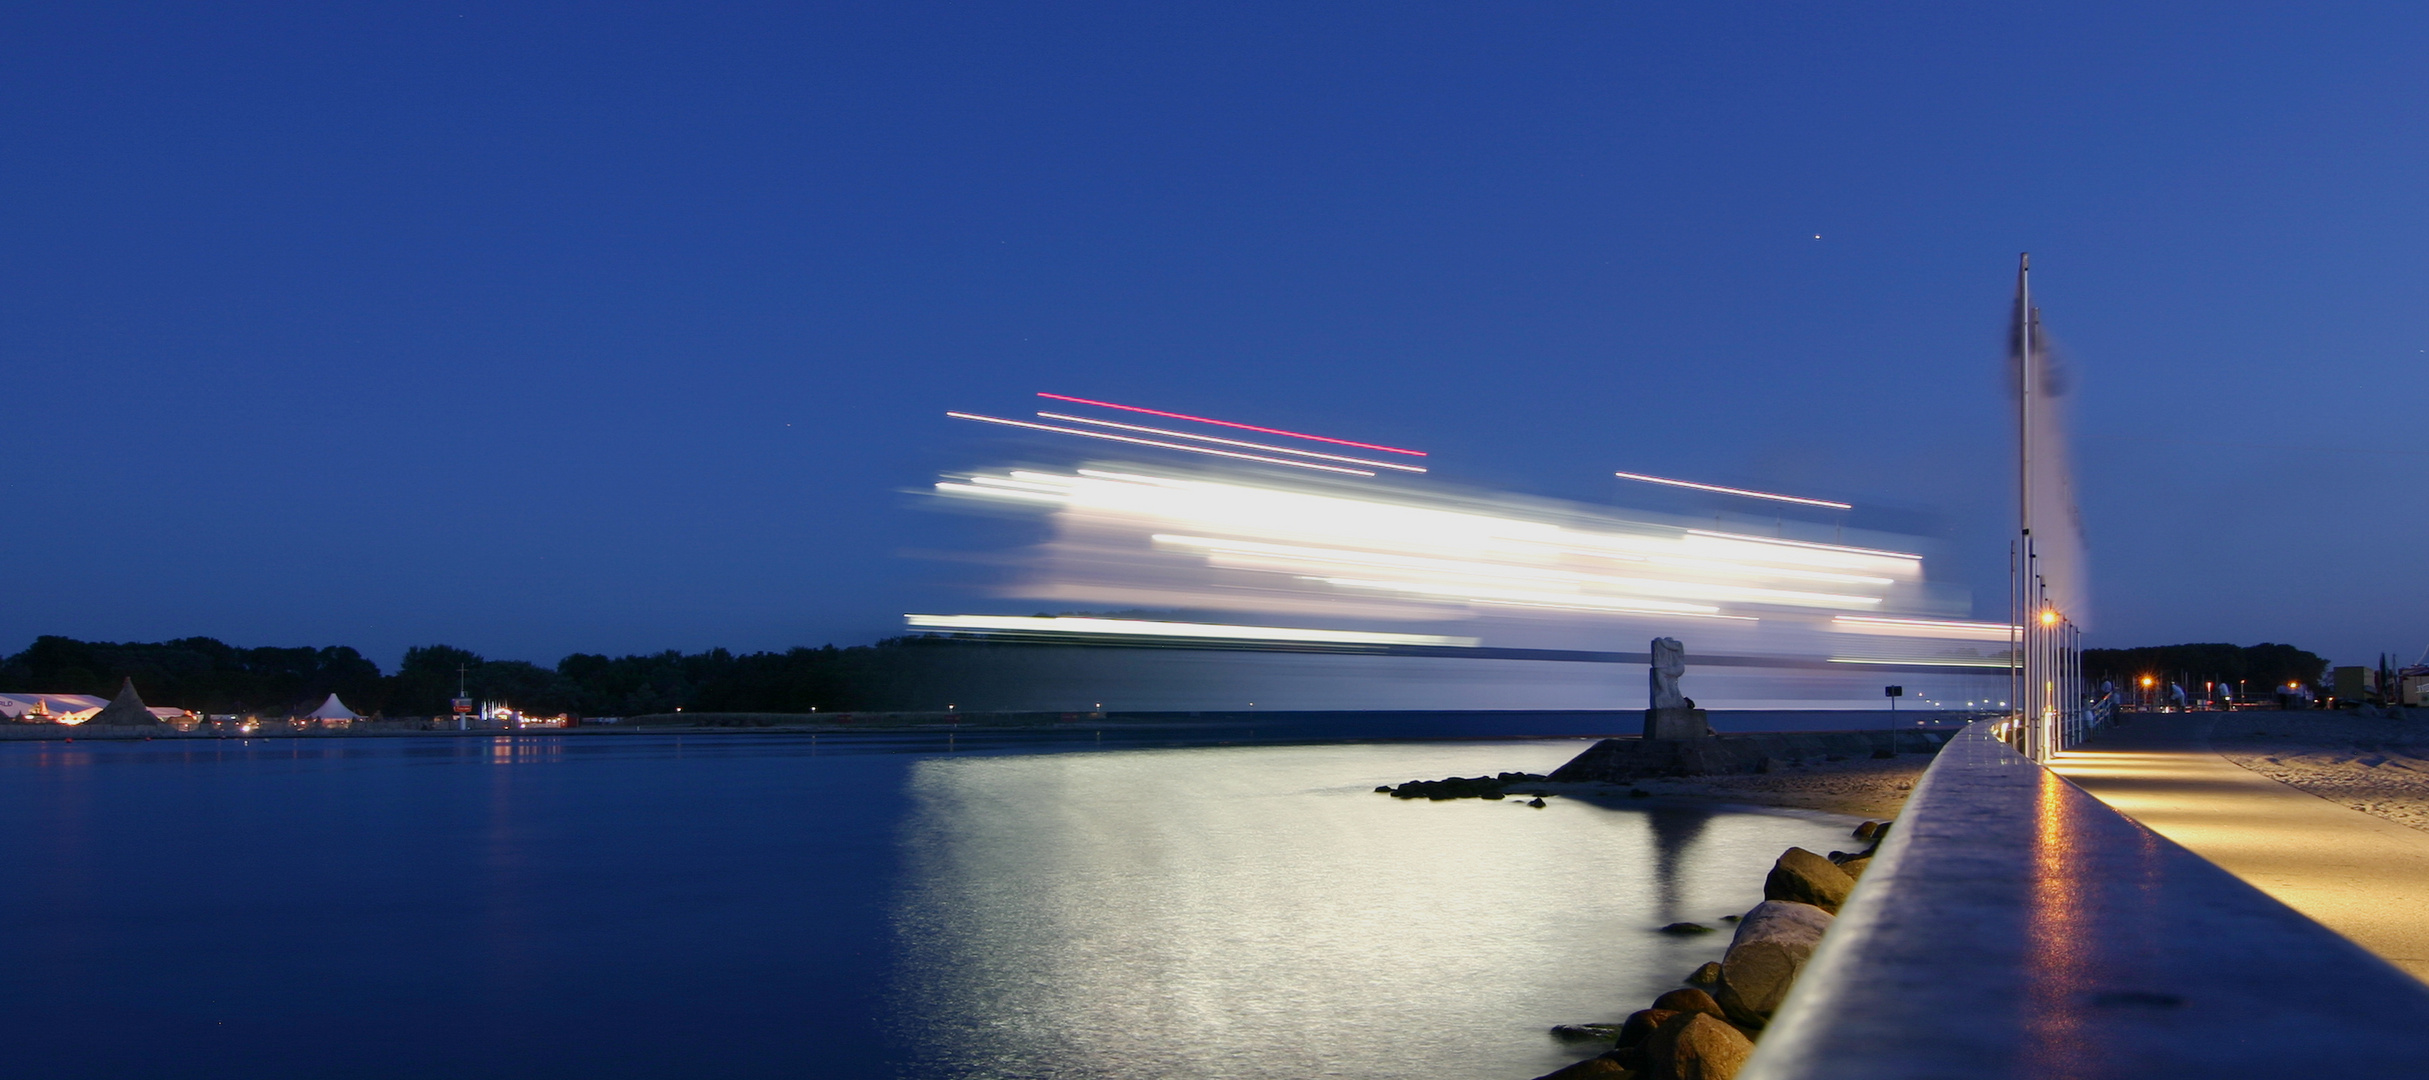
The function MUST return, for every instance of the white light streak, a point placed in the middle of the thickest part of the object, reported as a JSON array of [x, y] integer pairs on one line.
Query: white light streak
[[1776, 541], [1937, 628], [1230, 442], [1155, 442], [1734, 491], [1070, 624], [2000, 664], [1231, 544]]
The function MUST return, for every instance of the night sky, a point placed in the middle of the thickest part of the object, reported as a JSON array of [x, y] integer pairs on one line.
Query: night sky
[[625, 327]]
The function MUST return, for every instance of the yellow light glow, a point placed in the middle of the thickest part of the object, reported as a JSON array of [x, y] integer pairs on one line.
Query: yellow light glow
[[2048, 617]]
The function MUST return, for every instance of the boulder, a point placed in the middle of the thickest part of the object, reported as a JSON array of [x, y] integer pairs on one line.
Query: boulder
[[1865, 830], [1854, 868], [1770, 948], [1693, 1046], [1803, 877], [1689, 1000], [1707, 975], [1640, 1024], [1686, 929], [1590, 1068]]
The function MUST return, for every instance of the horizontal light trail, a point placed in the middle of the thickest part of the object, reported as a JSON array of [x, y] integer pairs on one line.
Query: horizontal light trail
[[1000, 493], [1735, 491], [2001, 665], [1893, 627], [1776, 541], [1230, 442], [1452, 569], [1217, 544], [1150, 628], [1230, 424], [1154, 442]]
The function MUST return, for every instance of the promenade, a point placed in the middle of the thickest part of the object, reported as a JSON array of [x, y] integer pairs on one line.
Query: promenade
[[2362, 876]]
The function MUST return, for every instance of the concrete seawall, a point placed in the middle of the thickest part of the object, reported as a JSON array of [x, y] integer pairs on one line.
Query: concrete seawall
[[2013, 926]]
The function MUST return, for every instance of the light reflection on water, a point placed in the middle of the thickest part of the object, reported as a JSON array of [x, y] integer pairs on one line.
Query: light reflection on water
[[1260, 912]]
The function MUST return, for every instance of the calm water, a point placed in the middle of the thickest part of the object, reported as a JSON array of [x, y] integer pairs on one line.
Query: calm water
[[773, 906]]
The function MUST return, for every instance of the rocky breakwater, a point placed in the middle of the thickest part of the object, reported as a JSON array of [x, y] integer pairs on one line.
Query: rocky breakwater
[[1622, 760], [1706, 1029]]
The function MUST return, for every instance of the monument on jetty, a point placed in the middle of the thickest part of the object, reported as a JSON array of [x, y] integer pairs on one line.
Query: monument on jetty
[[1670, 714]]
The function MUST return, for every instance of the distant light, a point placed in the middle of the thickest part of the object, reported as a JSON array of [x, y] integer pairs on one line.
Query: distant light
[[2048, 617], [1150, 628], [1735, 491], [1156, 442], [1231, 424]]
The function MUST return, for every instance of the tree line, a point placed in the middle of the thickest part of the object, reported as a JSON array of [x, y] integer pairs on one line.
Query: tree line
[[2256, 667], [209, 676]]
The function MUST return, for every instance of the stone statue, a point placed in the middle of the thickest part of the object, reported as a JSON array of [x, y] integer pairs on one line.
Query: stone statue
[[1669, 662], [1673, 715]]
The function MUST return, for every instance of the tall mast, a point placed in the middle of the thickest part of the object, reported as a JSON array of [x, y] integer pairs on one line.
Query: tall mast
[[2024, 393]]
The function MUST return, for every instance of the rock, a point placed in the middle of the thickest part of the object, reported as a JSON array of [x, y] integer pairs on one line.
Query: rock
[[1770, 948], [1383, 789], [1639, 793], [1640, 1024], [1630, 1057], [1854, 868], [1586, 1032], [1686, 929], [1690, 999], [1865, 830], [1707, 975], [1693, 1046], [1536, 802], [1590, 1068], [1806, 878]]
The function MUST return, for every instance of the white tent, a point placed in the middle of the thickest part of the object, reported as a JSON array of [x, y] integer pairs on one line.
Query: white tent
[[68, 708], [332, 709]]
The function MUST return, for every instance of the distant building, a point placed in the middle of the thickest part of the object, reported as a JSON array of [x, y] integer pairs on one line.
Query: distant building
[[2353, 683], [51, 708]]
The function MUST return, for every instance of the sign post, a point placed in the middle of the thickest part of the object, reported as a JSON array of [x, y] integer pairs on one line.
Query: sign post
[[1893, 693]]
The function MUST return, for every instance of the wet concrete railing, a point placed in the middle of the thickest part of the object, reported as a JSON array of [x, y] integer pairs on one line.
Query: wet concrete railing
[[2014, 926]]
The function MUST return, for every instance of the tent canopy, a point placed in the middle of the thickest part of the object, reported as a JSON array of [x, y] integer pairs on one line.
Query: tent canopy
[[333, 709]]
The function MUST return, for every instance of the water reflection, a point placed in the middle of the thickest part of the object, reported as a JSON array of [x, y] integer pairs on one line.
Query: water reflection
[[1259, 912]]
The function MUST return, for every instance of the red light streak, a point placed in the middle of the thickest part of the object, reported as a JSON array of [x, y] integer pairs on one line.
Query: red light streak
[[1230, 424]]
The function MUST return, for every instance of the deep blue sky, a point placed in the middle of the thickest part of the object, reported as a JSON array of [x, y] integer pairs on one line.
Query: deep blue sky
[[623, 327]]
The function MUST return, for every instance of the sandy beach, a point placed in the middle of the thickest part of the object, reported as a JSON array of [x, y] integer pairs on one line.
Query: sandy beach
[[2376, 766]]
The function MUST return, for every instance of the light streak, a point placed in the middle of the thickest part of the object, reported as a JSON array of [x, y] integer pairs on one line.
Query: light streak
[[2000, 664], [1071, 624], [1895, 627], [1153, 442], [1805, 544], [1263, 546], [1449, 568], [1231, 442], [1735, 491], [1230, 424]]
